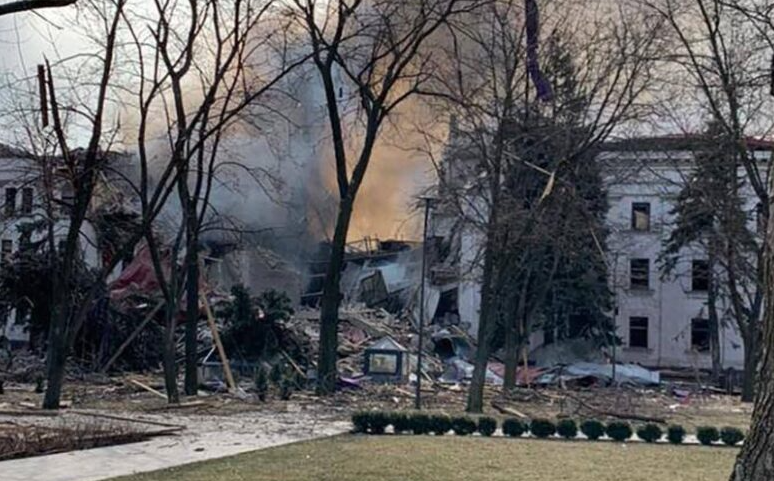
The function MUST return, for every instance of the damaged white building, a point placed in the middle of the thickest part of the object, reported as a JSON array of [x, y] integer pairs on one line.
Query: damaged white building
[[661, 320]]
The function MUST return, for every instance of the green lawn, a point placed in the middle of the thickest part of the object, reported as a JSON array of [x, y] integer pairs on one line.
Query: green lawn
[[449, 458]]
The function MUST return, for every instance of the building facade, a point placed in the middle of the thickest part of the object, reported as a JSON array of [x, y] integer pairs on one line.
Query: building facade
[[661, 318], [25, 216]]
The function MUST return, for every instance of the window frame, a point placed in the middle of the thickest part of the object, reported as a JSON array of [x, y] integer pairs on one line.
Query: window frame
[[27, 200], [647, 211], [639, 329], [703, 282], [639, 286], [706, 330], [9, 204]]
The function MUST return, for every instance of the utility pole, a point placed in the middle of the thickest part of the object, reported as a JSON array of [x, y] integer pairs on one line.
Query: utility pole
[[421, 322]]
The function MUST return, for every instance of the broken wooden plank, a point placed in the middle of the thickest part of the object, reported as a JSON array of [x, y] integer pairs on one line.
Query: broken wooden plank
[[176, 427], [183, 405], [28, 412], [615, 414], [508, 410], [145, 387]]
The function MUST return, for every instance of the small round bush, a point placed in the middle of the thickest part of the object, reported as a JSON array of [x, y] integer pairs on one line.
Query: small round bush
[[361, 420], [592, 429], [731, 436], [379, 422], [619, 431], [542, 428], [487, 426], [400, 422], [463, 426], [514, 427], [650, 433], [707, 435], [676, 434], [420, 423], [567, 428], [440, 424]]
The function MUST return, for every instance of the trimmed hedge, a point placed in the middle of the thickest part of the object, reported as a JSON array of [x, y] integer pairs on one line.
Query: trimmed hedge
[[619, 431], [707, 435], [487, 426], [401, 422], [420, 423], [676, 434], [567, 428], [542, 428], [731, 436], [360, 421], [377, 422], [371, 422], [463, 425], [650, 433], [440, 424], [593, 429], [514, 428]]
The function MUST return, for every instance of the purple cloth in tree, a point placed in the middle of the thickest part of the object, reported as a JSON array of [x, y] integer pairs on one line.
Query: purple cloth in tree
[[544, 90]]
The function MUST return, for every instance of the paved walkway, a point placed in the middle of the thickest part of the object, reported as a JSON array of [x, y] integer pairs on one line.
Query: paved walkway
[[206, 437]]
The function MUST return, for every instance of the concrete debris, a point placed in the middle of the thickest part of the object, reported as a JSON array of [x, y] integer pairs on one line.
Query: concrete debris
[[604, 374]]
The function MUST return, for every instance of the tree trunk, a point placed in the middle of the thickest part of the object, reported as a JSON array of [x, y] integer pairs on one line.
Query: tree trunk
[[750, 364], [56, 355], [192, 306], [168, 358], [485, 322], [514, 338], [714, 323], [511, 354], [329, 304], [756, 459]]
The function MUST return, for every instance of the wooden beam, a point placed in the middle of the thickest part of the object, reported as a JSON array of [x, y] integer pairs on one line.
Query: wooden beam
[[148, 388], [131, 337], [218, 345]]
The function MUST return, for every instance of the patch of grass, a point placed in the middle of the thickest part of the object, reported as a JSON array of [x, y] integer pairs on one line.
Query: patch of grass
[[453, 458]]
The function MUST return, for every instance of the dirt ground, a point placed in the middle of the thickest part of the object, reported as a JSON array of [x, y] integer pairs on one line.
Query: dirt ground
[[118, 394], [691, 408]]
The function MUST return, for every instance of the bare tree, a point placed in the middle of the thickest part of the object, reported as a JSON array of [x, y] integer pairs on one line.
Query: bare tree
[[83, 169], [756, 459], [140, 68], [28, 5], [379, 51], [724, 61], [490, 88], [198, 83]]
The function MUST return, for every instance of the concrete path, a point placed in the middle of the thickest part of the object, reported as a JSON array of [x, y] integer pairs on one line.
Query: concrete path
[[206, 437]]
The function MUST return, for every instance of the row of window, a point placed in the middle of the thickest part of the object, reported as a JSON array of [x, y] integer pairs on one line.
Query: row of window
[[27, 194], [639, 274], [640, 218], [700, 333]]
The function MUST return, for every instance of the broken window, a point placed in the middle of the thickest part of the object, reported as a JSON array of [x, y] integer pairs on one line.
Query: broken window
[[700, 334], [639, 274], [700, 275], [638, 332], [7, 250], [10, 200], [26, 205], [641, 216]]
